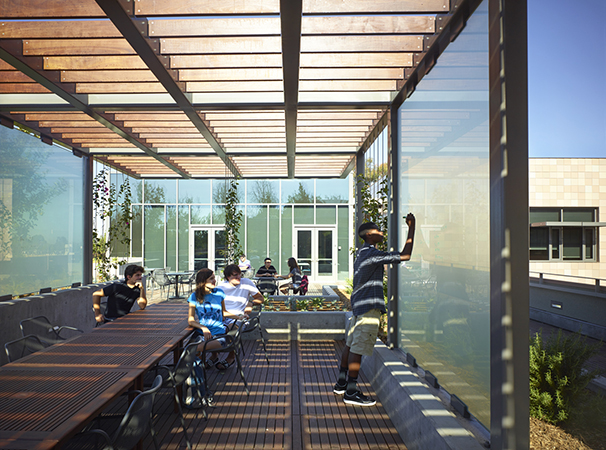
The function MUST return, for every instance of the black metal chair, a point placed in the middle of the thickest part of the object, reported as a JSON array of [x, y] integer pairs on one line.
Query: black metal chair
[[252, 324], [178, 374], [189, 281], [135, 425], [21, 347], [267, 286], [233, 344], [41, 327]]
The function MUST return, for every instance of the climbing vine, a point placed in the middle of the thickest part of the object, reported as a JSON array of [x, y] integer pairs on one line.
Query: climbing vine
[[111, 226], [233, 221], [374, 206]]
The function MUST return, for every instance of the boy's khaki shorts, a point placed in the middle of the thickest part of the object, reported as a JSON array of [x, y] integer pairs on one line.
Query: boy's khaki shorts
[[363, 331]]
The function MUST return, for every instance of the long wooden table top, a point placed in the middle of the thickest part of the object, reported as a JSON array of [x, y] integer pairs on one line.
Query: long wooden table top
[[46, 397]]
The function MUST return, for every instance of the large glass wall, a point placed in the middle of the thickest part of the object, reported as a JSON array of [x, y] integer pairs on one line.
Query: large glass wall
[[271, 209], [41, 214], [443, 162]]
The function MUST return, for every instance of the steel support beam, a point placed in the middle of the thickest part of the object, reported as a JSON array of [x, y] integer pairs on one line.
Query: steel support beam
[[393, 294], [290, 22], [509, 241], [87, 222], [78, 102], [135, 31]]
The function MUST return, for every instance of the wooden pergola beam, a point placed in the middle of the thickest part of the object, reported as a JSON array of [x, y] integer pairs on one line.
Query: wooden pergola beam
[[136, 35]]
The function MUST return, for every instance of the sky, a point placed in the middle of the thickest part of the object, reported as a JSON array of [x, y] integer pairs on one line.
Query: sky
[[567, 78]]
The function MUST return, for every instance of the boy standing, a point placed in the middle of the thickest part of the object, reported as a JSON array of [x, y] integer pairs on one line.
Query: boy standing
[[367, 303]]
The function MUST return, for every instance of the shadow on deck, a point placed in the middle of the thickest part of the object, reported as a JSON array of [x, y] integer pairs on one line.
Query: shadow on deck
[[291, 406]]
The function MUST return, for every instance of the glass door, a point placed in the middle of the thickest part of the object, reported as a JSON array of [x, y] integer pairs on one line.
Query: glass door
[[206, 246], [316, 253]]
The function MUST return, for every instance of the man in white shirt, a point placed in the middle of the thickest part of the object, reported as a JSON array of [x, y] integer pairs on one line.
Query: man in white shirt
[[240, 293]]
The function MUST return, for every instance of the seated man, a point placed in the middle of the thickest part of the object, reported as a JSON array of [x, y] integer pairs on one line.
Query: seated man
[[240, 293], [267, 283], [267, 270], [121, 296]]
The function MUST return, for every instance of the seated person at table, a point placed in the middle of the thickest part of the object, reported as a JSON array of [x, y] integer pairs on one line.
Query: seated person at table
[[245, 266], [240, 293], [205, 315], [121, 296], [267, 270], [294, 275]]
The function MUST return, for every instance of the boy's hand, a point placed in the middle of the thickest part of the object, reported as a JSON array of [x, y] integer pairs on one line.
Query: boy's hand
[[410, 220]]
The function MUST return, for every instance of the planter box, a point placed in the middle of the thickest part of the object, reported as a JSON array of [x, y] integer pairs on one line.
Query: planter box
[[302, 325]]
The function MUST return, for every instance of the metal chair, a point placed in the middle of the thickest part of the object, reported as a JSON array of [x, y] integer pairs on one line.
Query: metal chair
[[233, 344], [41, 327], [254, 323], [162, 280], [21, 347], [267, 285], [135, 425], [177, 375], [189, 280]]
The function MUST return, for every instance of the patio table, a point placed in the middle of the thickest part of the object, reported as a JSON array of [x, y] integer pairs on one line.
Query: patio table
[[177, 275], [46, 397]]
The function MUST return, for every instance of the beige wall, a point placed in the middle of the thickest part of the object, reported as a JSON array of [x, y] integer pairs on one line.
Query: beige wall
[[565, 182]]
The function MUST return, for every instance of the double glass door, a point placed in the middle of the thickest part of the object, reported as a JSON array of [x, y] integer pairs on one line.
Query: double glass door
[[316, 252], [206, 247]]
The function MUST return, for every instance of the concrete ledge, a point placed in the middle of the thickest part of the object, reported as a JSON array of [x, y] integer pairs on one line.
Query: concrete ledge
[[302, 325], [419, 412], [569, 323]]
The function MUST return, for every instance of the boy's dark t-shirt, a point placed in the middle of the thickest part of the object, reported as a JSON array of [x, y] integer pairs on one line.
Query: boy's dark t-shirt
[[120, 299]]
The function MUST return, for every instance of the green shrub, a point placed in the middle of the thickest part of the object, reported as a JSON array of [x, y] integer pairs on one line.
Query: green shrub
[[557, 375]]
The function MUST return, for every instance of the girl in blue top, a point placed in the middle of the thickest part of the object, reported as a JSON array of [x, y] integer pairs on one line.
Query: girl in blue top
[[206, 312]]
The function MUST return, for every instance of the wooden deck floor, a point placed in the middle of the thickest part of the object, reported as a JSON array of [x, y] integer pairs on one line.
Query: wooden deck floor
[[291, 406]]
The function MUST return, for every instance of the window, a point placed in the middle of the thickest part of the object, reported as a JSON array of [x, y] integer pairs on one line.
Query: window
[[563, 234]]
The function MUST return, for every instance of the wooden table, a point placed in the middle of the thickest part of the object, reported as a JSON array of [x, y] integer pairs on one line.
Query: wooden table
[[47, 397]]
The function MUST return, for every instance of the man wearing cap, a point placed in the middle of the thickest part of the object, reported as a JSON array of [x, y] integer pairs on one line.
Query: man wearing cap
[[367, 303]]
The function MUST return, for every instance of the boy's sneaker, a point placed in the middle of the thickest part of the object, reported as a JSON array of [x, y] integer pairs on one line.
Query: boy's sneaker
[[340, 388], [357, 398]]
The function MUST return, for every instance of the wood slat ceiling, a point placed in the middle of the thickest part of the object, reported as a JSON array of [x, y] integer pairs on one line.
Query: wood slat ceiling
[[195, 88]]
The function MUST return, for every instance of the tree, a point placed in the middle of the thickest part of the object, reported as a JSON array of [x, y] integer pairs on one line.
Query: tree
[[301, 196], [263, 192], [374, 208]]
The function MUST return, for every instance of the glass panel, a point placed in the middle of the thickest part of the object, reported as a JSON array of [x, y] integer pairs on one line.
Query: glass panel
[[218, 215], [194, 191], [256, 231], [137, 232], [540, 215], [220, 249], [304, 215], [220, 187], [555, 243], [444, 295], [171, 236], [579, 215], [183, 235], [286, 234], [136, 189], [572, 243], [539, 243], [324, 252], [274, 234], [589, 242], [343, 243], [416, 192], [297, 191], [200, 249], [160, 191], [200, 215], [154, 237], [332, 191], [263, 191], [304, 250], [41, 214], [326, 215]]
